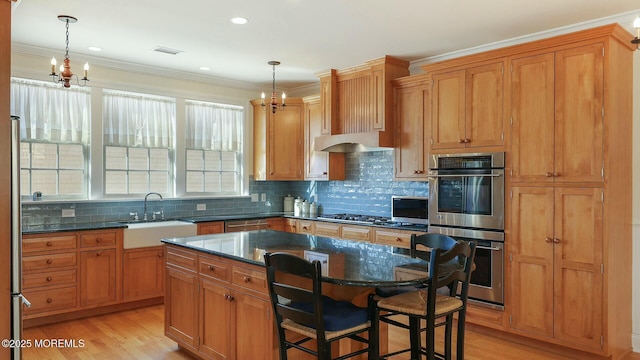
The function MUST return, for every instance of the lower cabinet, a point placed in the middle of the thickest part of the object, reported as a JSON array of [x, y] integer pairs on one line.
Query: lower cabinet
[[98, 269], [144, 273], [216, 309]]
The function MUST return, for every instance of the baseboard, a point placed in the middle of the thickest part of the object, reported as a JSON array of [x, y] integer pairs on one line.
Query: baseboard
[[635, 342]]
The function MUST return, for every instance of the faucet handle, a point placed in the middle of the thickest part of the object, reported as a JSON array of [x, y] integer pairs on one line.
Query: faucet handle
[[134, 215], [153, 215]]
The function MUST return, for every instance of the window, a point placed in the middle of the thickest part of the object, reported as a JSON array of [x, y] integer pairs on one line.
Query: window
[[54, 132], [214, 155], [138, 143]]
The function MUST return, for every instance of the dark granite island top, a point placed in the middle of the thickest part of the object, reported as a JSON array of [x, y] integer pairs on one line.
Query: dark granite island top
[[365, 264]]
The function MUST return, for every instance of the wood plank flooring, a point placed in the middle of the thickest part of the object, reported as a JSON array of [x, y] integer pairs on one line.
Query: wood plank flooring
[[139, 334]]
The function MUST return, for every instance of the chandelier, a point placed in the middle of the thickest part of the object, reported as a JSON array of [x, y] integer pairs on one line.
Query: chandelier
[[65, 74], [274, 100], [636, 40]]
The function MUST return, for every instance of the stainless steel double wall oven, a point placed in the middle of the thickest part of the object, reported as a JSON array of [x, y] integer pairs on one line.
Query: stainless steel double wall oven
[[466, 201]]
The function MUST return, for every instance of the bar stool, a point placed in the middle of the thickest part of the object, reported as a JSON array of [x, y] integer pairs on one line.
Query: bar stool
[[450, 266], [311, 314]]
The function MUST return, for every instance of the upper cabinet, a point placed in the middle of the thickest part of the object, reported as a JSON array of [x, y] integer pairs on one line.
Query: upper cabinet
[[467, 106], [319, 165], [357, 104], [411, 97], [557, 115], [278, 141]]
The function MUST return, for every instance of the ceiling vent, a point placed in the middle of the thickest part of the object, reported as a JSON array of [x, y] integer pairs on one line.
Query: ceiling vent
[[167, 50]]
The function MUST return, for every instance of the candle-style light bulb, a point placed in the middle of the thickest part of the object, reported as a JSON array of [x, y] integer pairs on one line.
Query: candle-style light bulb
[[86, 69], [53, 65], [262, 97], [284, 97], [636, 25]]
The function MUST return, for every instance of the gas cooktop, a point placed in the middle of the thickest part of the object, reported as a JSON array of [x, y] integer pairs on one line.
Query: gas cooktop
[[363, 219]]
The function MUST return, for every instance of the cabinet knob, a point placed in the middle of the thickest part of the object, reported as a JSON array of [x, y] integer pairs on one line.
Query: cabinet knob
[[49, 243], [49, 261], [210, 267], [231, 298], [461, 141], [99, 240], [556, 240], [160, 255], [548, 239], [556, 174], [99, 253], [398, 239], [548, 174], [467, 141], [49, 278], [49, 300], [247, 279]]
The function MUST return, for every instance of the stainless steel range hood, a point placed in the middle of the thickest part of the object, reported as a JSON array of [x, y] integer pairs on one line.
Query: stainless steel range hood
[[354, 142]]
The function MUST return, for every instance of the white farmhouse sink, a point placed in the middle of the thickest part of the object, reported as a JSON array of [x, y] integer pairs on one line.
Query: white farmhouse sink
[[146, 234]]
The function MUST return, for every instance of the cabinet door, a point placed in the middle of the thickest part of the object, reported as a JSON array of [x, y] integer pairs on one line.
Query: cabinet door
[[411, 131], [143, 273], [216, 322], [215, 227], [532, 113], [578, 279], [484, 120], [579, 114], [447, 110], [253, 327], [284, 145], [530, 271], [316, 162], [181, 307], [98, 277]]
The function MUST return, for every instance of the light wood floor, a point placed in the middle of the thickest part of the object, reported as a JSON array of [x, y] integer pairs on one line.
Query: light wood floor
[[139, 334]]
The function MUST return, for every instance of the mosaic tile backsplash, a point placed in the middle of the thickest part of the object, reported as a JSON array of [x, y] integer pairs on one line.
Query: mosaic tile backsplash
[[367, 190]]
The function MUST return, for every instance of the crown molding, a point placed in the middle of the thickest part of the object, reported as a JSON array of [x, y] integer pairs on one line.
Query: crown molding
[[624, 19]]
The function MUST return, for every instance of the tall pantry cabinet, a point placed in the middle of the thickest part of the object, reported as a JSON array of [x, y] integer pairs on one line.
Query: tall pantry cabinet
[[569, 240]]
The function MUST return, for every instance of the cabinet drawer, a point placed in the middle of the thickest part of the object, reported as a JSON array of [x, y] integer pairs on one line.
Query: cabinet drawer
[[48, 261], [211, 228], [328, 229], [214, 268], [250, 279], [183, 259], [351, 232], [393, 238], [98, 239], [48, 243], [305, 227], [49, 279], [49, 300]]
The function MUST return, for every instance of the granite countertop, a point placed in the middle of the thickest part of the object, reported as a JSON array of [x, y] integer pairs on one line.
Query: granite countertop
[[45, 228], [365, 264]]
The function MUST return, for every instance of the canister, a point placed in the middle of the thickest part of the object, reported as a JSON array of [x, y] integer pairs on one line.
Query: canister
[[288, 204], [297, 206]]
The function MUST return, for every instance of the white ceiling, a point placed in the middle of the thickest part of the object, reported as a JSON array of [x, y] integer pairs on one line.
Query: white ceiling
[[307, 36]]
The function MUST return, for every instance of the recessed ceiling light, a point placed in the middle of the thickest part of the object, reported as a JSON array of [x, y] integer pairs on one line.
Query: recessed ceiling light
[[205, 68], [239, 20], [95, 48]]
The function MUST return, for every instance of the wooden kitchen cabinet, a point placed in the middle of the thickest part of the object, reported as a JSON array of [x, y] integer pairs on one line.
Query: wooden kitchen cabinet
[[212, 227], [217, 309], [278, 152], [558, 115], [412, 128], [556, 263], [319, 165], [394, 237], [328, 229], [143, 273], [98, 277], [356, 232], [467, 106], [276, 224], [306, 227]]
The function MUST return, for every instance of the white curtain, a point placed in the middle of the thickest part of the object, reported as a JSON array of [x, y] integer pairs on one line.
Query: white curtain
[[50, 112], [131, 119], [212, 126]]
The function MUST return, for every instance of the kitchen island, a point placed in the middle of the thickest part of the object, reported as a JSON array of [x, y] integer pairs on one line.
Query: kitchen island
[[217, 302]]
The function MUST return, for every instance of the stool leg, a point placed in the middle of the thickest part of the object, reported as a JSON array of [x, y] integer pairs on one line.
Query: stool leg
[[447, 337], [414, 337], [374, 331]]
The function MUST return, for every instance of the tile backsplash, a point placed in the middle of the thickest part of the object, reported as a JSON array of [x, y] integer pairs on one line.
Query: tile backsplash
[[367, 190]]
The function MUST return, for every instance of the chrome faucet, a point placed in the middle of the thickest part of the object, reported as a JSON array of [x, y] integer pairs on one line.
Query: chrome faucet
[[145, 203]]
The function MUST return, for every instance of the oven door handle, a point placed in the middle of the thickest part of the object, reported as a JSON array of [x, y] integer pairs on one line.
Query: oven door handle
[[464, 175], [488, 248]]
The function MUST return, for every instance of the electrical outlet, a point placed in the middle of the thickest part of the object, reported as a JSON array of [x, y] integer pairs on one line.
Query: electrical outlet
[[68, 212], [254, 197], [201, 207], [263, 197]]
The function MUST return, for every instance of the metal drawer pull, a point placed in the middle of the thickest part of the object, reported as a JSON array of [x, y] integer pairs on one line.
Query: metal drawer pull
[[464, 175]]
